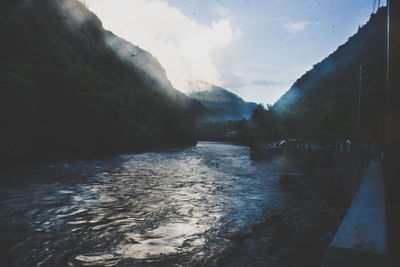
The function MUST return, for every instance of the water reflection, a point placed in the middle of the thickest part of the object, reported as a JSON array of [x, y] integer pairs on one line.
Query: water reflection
[[177, 207]]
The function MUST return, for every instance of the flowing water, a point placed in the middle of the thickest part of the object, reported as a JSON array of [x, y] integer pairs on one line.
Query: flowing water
[[174, 207]]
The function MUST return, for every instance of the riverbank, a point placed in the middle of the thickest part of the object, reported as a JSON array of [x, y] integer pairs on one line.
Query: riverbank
[[300, 234], [297, 236]]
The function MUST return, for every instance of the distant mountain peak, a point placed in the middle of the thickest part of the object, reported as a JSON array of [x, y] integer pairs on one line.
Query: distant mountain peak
[[221, 103]]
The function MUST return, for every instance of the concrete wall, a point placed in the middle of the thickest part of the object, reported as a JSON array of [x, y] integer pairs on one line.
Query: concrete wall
[[344, 174], [361, 239]]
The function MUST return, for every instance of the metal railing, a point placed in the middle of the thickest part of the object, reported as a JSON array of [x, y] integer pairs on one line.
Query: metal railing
[[363, 153]]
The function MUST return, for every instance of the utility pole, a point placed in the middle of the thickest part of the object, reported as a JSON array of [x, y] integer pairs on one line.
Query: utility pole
[[359, 104]]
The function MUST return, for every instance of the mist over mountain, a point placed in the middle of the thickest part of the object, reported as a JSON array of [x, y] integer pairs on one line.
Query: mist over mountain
[[68, 87], [220, 103], [322, 104]]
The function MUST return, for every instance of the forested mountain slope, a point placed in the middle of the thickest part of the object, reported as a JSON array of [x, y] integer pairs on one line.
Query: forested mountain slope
[[68, 87], [322, 104]]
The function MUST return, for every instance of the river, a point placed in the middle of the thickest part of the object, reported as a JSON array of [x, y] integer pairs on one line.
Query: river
[[173, 207]]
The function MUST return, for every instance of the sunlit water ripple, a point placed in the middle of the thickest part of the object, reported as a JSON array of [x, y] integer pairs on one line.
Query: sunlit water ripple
[[175, 207]]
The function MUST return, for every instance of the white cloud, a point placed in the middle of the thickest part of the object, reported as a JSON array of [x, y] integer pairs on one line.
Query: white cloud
[[288, 24], [294, 27], [182, 46]]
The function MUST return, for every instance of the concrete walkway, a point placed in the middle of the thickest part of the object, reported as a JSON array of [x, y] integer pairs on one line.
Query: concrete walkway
[[361, 238]]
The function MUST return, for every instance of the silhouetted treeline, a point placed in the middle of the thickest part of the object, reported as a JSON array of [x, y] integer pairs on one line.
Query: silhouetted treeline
[[262, 127], [222, 131], [65, 92]]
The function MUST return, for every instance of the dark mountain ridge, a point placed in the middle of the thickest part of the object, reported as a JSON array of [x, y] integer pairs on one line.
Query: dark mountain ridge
[[68, 89]]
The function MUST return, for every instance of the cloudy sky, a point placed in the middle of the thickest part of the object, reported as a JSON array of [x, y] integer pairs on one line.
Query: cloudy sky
[[255, 48]]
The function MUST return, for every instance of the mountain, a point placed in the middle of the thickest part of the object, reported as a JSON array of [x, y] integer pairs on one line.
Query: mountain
[[221, 104], [152, 73], [150, 69], [323, 103], [68, 87]]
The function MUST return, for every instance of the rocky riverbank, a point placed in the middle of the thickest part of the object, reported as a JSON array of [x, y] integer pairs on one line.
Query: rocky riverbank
[[297, 236]]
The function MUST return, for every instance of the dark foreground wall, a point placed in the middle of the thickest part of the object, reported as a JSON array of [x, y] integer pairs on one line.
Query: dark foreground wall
[[392, 131]]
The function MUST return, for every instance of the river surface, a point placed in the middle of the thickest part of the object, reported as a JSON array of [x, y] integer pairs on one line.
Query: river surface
[[173, 207]]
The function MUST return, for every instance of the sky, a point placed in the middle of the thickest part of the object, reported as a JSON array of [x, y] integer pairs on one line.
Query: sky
[[254, 48]]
